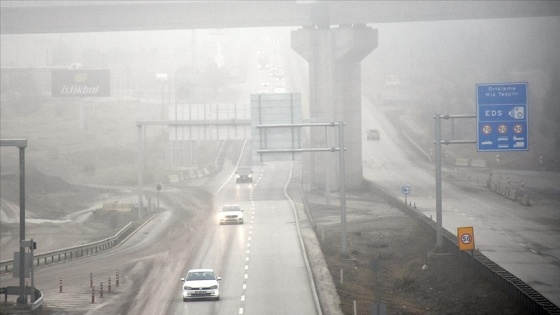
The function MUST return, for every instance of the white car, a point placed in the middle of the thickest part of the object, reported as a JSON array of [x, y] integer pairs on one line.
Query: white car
[[201, 284], [231, 214]]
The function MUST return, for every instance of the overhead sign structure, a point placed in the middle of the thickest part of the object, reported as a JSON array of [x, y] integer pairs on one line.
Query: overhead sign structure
[[502, 117], [276, 109], [75, 83], [465, 236]]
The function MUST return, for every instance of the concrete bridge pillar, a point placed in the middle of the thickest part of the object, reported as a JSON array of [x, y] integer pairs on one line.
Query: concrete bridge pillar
[[334, 56]]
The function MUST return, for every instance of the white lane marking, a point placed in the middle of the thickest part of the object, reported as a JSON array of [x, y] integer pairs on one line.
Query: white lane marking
[[248, 252], [246, 267], [249, 238], [240, 310], [534, 251], [246, 276], [247, 259], [522, 244], [244, 287], [242, 298]]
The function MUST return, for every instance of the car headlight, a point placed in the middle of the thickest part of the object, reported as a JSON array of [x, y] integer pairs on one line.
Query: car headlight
[[237, 176], [250, 176], [214, 287], [187, 288]]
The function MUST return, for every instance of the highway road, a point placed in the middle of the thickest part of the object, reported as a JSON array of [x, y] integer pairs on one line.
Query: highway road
[[261, 261], [523, 240]]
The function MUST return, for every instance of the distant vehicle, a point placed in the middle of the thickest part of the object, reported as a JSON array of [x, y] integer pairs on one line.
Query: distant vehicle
[[263, 60], [201, 284], [231, 214], [244, 174], [373, 134]]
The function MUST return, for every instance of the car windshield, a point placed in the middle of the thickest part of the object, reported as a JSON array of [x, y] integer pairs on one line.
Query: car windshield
[[202, 275], [230, 208], [244, 170]]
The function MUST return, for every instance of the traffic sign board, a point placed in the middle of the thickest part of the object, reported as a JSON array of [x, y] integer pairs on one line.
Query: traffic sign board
[[405, 189], [465, 236], [502, 117]]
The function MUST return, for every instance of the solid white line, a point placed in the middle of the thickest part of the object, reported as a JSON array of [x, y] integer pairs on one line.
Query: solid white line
[[302, 246], [233, 172]]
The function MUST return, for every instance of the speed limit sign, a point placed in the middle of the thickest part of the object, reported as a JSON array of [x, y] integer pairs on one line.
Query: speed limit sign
[[465, 237]]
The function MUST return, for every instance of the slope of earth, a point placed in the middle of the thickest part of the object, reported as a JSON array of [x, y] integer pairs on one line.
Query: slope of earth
[[391, 265]]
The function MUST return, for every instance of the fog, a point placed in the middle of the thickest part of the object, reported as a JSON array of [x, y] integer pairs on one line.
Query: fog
[[432, 67]]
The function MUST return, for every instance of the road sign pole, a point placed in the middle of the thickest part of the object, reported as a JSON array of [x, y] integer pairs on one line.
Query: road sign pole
[[438, 182], [140, 166], [344, 246]]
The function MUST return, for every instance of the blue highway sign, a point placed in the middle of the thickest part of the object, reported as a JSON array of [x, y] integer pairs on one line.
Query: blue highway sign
[[405, 189], [502, 117]]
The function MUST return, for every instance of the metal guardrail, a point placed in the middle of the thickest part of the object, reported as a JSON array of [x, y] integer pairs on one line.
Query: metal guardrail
[[35, 306], [533, 301], [74, 252]]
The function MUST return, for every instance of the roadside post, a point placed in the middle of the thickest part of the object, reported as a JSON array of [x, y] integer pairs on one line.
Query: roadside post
[[438, 143], [158, 187]]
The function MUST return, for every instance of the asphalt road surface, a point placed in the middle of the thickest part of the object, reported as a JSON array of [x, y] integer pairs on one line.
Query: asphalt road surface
[[261, 261]]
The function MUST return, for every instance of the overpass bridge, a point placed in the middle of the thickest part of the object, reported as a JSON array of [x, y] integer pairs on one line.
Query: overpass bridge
[[334, 38]]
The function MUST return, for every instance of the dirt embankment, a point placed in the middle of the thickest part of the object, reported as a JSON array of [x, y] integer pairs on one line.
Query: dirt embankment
[[391, 264]]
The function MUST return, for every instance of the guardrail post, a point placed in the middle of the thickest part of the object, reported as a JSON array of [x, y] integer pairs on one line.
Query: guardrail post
[[91, 279], [109, 289], [117, 277], [60, 286], [101, 290], [92, 294]]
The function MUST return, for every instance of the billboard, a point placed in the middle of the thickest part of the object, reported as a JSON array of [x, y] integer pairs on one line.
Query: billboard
[[76, 83]]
